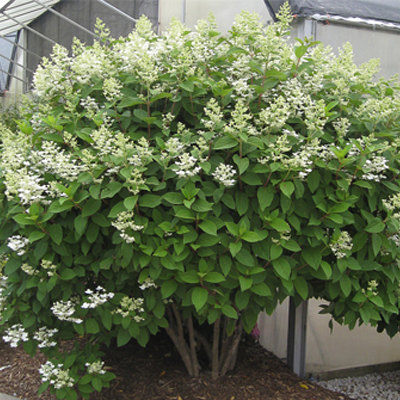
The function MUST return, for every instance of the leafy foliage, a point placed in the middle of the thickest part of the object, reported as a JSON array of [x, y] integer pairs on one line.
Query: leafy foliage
[[194, 179]]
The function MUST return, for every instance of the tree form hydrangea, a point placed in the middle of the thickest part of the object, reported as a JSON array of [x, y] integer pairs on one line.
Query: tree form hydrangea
[[190, 179]]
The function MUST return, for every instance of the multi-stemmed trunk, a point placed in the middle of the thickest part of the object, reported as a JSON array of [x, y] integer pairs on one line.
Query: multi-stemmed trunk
[[222, 352]]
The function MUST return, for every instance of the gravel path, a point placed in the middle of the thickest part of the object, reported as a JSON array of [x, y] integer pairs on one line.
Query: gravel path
[[377, 386]]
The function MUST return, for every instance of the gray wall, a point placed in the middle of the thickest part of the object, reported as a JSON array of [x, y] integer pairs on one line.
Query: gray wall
[[85, 13], [368, 42]]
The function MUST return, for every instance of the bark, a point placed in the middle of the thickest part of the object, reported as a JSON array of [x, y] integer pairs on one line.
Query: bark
[[232, 354], [215, 366], [193, 353]]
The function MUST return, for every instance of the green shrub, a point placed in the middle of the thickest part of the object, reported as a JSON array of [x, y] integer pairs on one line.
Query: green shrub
[[195, 179]]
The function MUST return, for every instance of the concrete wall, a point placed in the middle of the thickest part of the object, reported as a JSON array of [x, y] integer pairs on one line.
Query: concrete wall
[[190, 11], [367, 43], [340, 349]]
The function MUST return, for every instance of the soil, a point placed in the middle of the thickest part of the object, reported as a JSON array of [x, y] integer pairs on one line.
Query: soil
[[157, 373]]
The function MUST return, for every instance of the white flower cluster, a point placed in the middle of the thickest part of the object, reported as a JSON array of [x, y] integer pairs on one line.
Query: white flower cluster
[[373, 168], [15, 334], [44, 336], [148, 283], [224, 174], [64, 310], [124, 222], [49, 267], [186, 165], [29, 270], [372, 288], [95, 367], [97, 298], [56, 375], [342, 245], [131, 307], [18, 243]]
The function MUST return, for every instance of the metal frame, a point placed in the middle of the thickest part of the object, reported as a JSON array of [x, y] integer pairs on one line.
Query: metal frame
[[21, 15]]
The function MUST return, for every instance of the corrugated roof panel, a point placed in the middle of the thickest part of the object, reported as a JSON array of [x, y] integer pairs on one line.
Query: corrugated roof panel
[[378, 10], [13, 13]]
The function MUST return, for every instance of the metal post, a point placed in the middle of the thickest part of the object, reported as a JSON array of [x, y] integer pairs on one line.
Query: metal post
[[296, 348], [20, 46], [117, 10], [28, 27]]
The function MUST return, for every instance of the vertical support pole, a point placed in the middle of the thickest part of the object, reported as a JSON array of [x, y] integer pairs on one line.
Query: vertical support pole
[[296, 349]]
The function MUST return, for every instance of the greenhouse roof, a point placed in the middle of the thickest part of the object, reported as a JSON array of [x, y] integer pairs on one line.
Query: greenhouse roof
[[14, 14], [375, 12]]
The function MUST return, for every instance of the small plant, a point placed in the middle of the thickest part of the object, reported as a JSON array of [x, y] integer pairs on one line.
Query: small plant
[[195, 180]]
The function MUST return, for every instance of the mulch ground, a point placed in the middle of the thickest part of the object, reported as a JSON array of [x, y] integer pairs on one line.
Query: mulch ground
[[157, 373]]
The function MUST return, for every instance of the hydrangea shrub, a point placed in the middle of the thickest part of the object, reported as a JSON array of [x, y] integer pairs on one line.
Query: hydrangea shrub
[[193, 180]]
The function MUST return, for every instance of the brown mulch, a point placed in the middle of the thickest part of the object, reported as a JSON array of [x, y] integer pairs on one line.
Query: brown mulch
[[157, 373]]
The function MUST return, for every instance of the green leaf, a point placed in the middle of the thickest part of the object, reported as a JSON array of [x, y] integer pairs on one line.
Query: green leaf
[[111, 190], [262, 289], [242, 163], [242, 202], [68, 274], [280, 225], [130, 202], [92, 326], [375, 226], [173, 197], [282, 268], [106, 318], [242, 299], [287, 188], [56, 233], [80, 224], [235, 247], [91, 207], [245, 257], [229, 311], [313, 179], [276, 251], [312, 257], [208, 227], [168, 288], [301, 287], [345, 285], [36, 235], [214, 277], [199, 297], [251, 237], [225, 142], [149, 200], [97, 383], [201, 205], [123, 337], [245, 283], [265, 197]]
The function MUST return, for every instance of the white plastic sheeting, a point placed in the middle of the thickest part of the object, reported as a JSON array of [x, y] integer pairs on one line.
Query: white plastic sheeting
[[14, 14]]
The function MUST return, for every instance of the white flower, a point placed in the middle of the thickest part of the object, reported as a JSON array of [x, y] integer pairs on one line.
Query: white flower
[[63, 310], [97, 298], [18, 243], [56, 376], [224, 174], [95, 367], [125, 221], [43, 335], [342, 245], [15, 334], [186, 166], [148, 283]]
